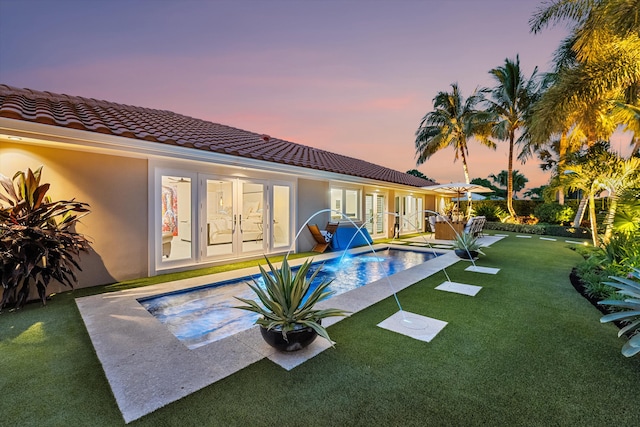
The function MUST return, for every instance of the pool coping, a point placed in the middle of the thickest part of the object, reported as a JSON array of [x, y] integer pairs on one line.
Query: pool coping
[[147, 367]]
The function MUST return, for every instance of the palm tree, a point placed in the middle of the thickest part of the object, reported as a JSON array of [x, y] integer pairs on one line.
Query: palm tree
[[623, 176], [511, 100], [595, 85], [518, 180], [597, 169], [416, 172], [597, 78], [452, 123]]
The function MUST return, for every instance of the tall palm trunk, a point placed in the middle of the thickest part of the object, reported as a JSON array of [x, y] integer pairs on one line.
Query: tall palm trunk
[[592, 218], [465, 169], [611, 213], [562, 153], [512, 212], [580, 212]]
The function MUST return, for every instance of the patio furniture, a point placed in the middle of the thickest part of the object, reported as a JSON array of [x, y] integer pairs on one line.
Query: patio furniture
[[447, 230], [475, 225], [322, 237], [432, 223], [349, 236]]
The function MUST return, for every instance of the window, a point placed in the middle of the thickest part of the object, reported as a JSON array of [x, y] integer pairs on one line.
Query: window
[[345, 203]]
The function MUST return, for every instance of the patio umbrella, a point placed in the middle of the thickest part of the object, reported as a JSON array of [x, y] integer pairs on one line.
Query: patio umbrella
[[459, 188]]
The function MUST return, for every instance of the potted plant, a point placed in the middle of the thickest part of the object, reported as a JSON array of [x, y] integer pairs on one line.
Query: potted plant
[[288, 320], [466, 246]]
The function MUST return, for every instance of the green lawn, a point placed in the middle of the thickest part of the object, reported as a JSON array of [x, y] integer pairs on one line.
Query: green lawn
[[527, 350]]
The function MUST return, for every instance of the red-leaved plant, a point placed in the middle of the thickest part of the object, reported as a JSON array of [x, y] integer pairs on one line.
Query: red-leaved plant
[[38, 242]]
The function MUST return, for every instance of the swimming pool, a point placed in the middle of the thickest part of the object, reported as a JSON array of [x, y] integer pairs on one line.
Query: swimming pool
[[205, 314]]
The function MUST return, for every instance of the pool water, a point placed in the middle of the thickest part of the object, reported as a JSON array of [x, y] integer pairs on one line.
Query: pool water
[[205, 314]]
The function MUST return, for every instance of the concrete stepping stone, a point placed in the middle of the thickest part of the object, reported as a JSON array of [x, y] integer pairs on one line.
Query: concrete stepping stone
[[413, 325], [459, 288], [478, 269]]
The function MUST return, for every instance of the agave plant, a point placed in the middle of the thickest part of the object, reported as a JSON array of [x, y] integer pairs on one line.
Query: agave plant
[[467, 242], [37, 238], [631, 315], [288, 300]]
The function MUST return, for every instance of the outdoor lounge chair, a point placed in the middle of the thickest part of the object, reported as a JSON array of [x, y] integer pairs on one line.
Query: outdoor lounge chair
[[475, 226], [322, 237]]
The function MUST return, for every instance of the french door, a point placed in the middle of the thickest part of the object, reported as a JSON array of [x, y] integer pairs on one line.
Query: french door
[[412, 214], [375, 217], [245, 217], [201, 218], [234, 218]]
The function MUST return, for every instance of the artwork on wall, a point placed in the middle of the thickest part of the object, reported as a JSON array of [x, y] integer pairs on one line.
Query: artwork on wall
[[170, 209]]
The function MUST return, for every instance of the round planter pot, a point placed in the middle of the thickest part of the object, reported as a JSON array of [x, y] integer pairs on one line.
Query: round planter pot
[[462, 253], [296, 339]]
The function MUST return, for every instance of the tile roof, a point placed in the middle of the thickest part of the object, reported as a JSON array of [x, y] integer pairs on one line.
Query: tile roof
[[171, 128]]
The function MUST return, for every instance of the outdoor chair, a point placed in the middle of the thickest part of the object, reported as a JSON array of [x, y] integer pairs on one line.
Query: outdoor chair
[[322, 237], [432, 224], [475, 225]]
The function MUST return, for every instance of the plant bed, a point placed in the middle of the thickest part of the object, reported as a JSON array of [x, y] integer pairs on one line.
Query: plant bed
[[580, 288]]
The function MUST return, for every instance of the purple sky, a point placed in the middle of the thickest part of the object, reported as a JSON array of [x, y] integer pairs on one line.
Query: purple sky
[[353, 77]]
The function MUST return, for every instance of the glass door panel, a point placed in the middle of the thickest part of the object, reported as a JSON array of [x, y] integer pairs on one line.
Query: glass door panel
[[374, 214], [408, 219], [281, 214], [251, 220], [176, 218], [380, 218], [219, 214], [369, 216]]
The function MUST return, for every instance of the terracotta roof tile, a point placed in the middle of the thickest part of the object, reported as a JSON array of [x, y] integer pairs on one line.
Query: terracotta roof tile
[[170, 128]]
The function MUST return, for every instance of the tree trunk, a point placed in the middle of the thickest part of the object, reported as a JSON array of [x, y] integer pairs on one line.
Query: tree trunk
[[465, 169], [562, 152], [611, 214], [592, 219], [580, 212], [512, 212]]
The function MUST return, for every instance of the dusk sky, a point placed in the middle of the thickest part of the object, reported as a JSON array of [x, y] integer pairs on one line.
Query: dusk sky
[[352, 77]]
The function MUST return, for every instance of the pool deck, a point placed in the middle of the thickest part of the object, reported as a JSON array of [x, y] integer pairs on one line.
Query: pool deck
[[148, 367]]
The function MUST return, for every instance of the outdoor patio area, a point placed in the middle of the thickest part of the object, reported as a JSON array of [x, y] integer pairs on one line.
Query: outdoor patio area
[[148, 368]]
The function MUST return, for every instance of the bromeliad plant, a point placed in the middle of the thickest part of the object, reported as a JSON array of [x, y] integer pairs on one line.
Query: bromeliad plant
[[288, 300], [631, 289], [37, 238]]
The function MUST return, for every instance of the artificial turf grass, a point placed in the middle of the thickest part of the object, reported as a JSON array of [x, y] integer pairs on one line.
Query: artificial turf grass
[[527, 350]]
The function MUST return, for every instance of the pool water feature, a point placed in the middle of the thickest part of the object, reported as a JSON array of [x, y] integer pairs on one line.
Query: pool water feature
[[205, 314]]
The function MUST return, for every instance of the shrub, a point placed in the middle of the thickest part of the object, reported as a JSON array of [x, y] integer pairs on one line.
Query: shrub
[[630, 291], [516, 228], [37, 238], [541, 229], [554, 213], [491, 212]]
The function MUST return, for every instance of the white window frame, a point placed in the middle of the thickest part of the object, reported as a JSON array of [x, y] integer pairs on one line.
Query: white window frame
[[343, 198]]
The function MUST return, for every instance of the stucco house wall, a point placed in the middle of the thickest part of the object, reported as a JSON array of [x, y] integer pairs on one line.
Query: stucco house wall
[[114, 187], [313, 196]]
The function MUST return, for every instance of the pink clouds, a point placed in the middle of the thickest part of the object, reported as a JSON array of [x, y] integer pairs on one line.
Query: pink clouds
[[338, 76]]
